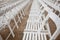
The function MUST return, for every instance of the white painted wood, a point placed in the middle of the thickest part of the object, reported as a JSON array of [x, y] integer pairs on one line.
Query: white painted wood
[[30, 37], [52, 5], [48, 28], [33, 37], [39, 38], [21, 15], [34, 26], [55, 18], [27, 36], [11, 30], [19, 18], [6, 18], [24, 37], [16, 23]]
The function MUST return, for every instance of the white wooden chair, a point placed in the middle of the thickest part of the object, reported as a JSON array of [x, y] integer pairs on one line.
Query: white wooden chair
[[35, 28], [56, 20], [16, 11], [6, 18]]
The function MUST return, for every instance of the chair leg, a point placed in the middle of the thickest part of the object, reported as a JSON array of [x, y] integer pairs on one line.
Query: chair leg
[[47, 26], [16, 23], [23, 13], [19, 18], [10, 33], [11, 30]]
